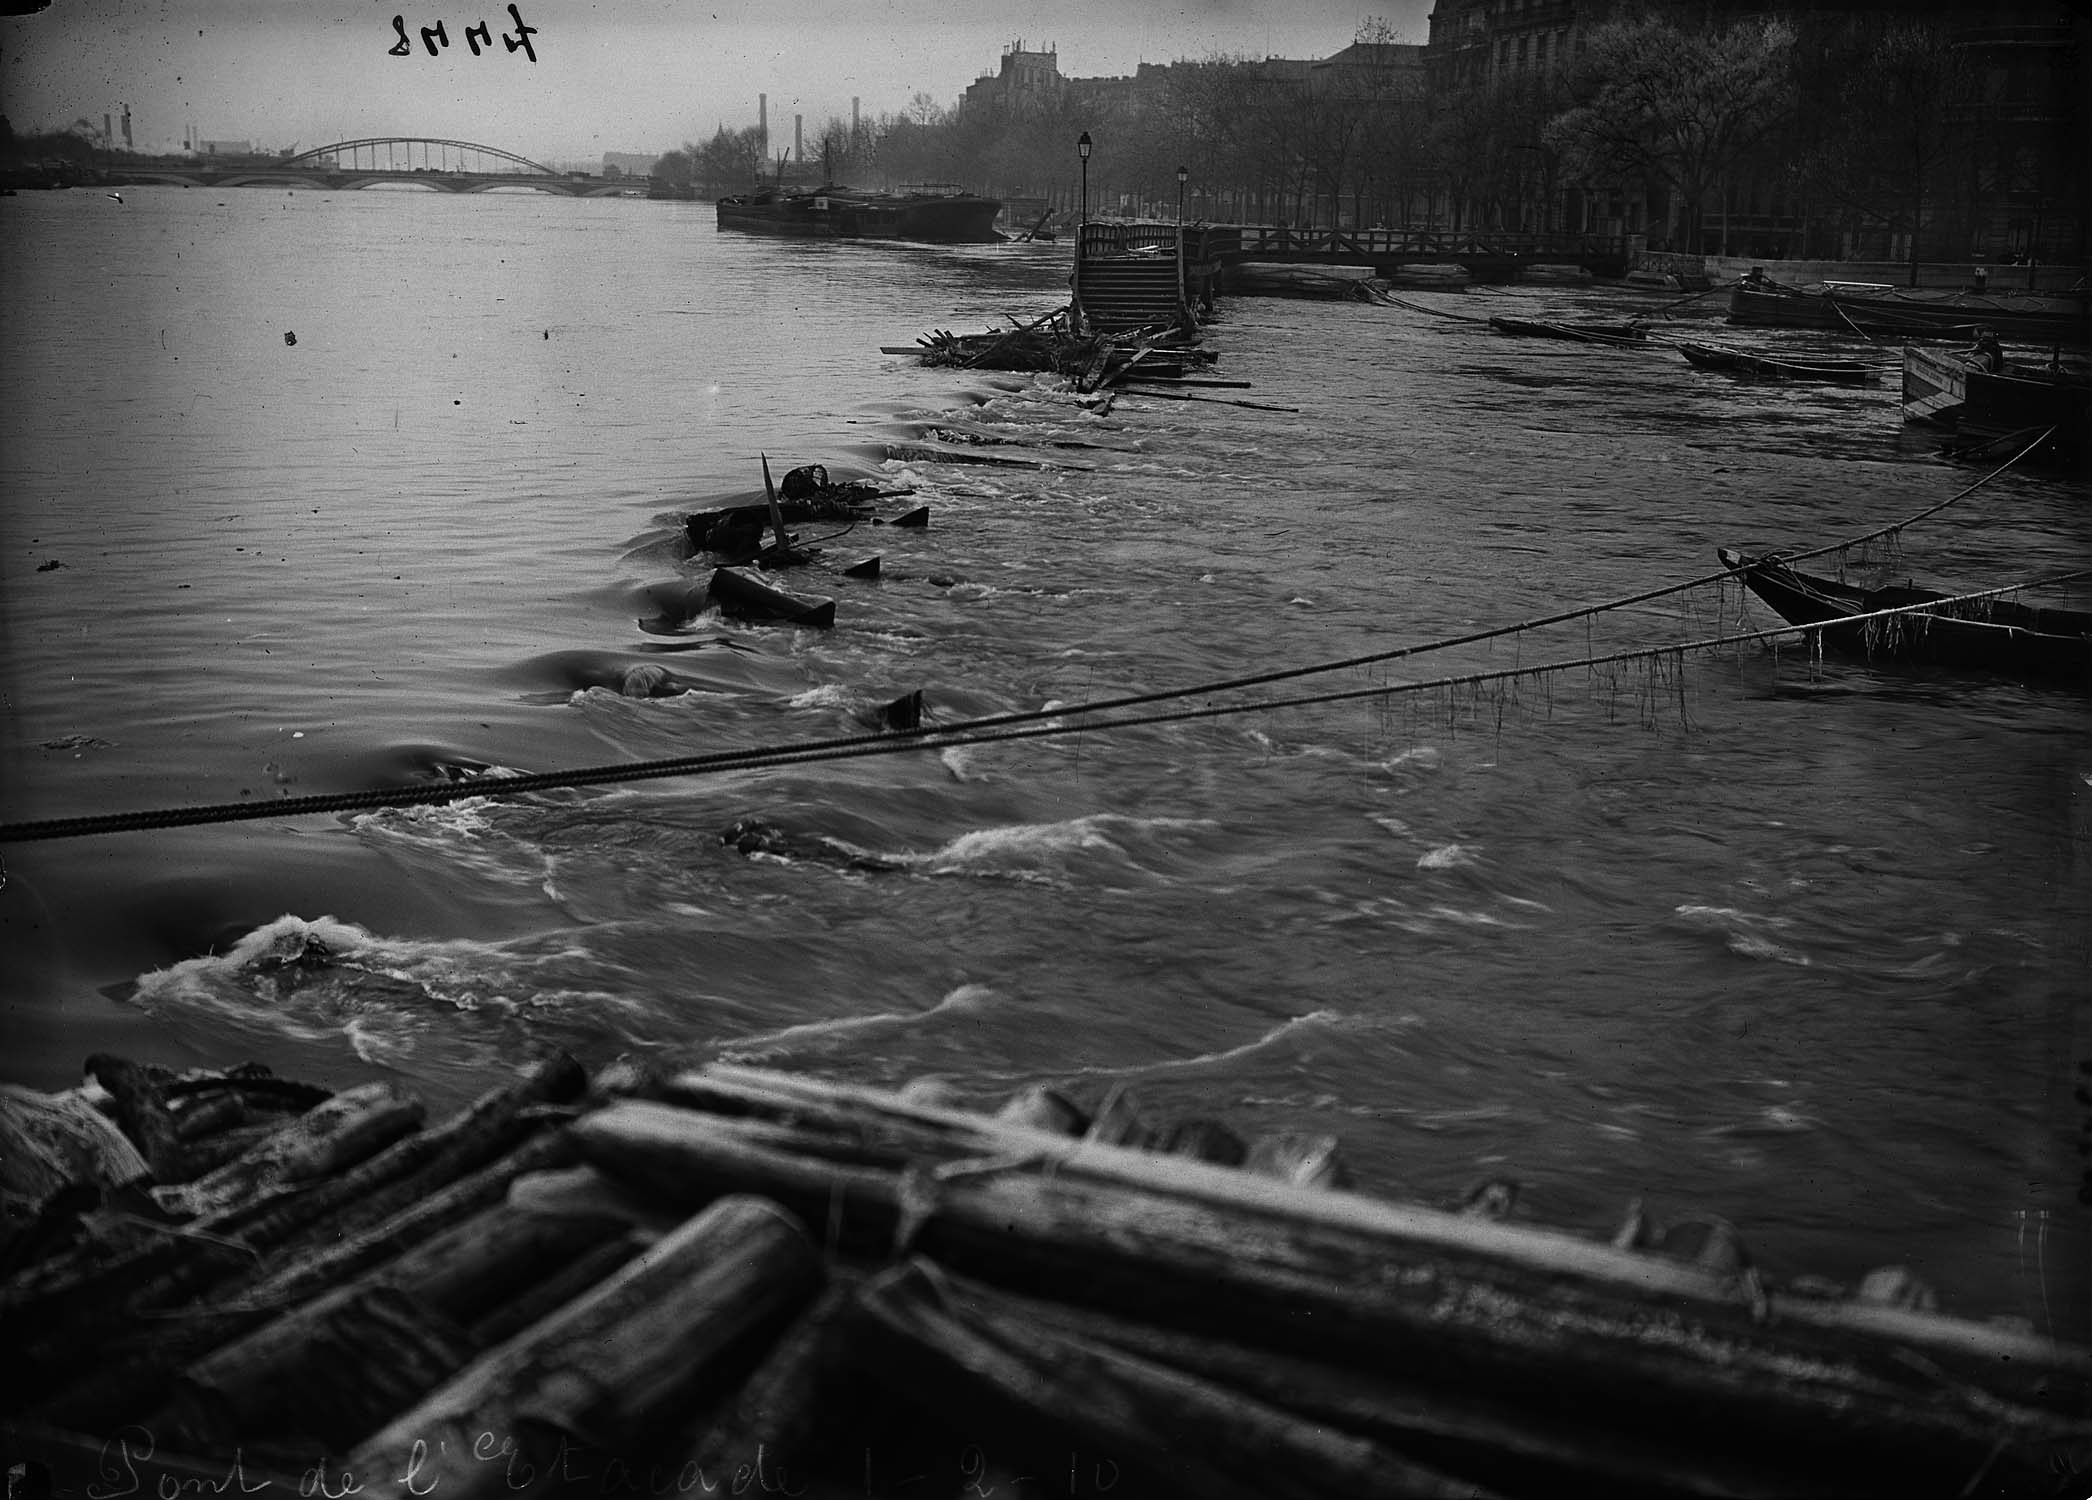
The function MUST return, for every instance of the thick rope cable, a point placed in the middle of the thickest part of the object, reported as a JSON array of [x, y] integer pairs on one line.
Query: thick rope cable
[[433, 795], [991, 730]]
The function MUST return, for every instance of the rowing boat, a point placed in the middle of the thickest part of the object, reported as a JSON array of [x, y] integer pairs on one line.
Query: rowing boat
[[2020, 641], [1777, 366], [1912, 312], [1983, 407], [746, 593], [1581, 333]]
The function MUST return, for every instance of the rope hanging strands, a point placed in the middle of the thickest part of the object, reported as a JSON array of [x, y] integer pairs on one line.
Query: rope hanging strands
[[1033, 724]]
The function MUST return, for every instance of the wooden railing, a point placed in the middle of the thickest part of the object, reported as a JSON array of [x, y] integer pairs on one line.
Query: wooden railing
[[1249, 241]]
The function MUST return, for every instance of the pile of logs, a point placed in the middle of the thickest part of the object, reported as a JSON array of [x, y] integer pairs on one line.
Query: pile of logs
[[1052, 343], [742, 1281]]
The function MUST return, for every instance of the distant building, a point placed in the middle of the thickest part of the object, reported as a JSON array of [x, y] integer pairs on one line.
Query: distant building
[[628, 164], [225, 148], [1364, 69], [1474, 42], [1025, 80]]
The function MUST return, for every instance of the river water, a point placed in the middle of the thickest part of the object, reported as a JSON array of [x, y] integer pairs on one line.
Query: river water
[[308, 493]]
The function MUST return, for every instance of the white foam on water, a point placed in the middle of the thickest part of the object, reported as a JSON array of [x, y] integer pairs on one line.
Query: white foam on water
[[1278, 1035], [967, 998], [1450, 857], [828, 695], [1744, 933]]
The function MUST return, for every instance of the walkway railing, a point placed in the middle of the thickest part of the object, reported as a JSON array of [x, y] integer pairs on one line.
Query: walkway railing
[[1251, 241]]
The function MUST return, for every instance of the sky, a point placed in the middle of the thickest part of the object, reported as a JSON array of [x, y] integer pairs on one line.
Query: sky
[[611, 75]]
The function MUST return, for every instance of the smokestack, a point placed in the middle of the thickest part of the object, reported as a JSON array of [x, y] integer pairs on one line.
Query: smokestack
[[853, 117], [107, 134], [798, 144], [762, 120], [127, 127]]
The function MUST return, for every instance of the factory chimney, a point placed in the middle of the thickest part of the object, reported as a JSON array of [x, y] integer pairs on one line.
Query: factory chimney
[[762, 120]]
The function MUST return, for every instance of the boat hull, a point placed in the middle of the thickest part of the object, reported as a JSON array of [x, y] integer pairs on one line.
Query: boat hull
[[1576, 333], [938, 218], [1983, 409], [1916, 313], [2018, 641], [1935, 386], [1776, 367]]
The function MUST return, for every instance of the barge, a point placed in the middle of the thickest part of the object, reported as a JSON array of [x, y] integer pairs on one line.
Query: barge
[[943, 216]]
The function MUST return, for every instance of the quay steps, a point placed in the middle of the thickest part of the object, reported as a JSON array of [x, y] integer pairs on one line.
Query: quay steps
[[1131, 291]]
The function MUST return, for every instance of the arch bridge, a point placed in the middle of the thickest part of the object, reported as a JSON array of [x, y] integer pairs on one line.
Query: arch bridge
[[420, 161]]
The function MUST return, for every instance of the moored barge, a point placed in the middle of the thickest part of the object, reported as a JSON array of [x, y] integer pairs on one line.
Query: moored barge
[[832, 212]]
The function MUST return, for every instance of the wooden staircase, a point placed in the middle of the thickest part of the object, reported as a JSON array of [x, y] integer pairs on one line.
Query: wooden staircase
[[1130, 291]]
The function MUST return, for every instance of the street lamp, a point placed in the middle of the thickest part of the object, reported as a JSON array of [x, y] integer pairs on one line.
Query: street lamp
[[1082, 149], [1183, 176]]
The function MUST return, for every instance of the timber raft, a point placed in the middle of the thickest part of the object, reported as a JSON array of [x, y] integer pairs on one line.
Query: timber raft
[[735, 1281]]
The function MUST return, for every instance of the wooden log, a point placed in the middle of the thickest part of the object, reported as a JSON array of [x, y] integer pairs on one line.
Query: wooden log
[[555, 1291], [1519, 1450], [124, 1379], [606, 1364], [1225, 385], [1206, 1140], [1640, 1361], [141, 1114], [1150, 393], [2023, 1367], [1186, 1436], [781, 1415], [1308, 1161], [210, 1115], [371, 1356], [1043, 1108], [1118, 1121], [351, 1126], [209, 1153], [239, 1388]]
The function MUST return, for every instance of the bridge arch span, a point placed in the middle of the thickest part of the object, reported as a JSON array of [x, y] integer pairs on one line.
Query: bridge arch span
[[345, 153]]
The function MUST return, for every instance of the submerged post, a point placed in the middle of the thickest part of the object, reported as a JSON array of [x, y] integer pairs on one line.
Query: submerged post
[[777, 520]]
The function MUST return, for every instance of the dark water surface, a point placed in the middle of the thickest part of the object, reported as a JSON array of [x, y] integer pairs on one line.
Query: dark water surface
[[1802, 946]]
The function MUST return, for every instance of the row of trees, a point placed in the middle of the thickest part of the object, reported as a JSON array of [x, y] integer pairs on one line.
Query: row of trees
[[1868, 128]]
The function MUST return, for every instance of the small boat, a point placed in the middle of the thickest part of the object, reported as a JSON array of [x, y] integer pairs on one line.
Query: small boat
[[1981, 407], [945, 215], [746, 593], [1581, 333], [1874, 310], [1777, 366], [2019, 641]]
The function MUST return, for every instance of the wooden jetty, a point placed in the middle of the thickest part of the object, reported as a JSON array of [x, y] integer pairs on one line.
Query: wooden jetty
[[743, 1281], [1486, 255]]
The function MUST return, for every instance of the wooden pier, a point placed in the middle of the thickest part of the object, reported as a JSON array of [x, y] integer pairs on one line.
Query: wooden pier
[[1486, 256], [752, 1282]]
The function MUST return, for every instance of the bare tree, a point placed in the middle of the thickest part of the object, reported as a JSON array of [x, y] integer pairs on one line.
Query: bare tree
[[1685, 109]]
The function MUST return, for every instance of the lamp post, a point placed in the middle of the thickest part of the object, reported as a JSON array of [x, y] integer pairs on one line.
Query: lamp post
[[1183, 176], [1082, 149]]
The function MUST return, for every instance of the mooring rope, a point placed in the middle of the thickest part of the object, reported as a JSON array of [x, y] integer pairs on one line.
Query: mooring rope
[[1031, 724]]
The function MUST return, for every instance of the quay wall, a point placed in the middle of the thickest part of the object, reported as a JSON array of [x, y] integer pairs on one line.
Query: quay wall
[[1699, 270]]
